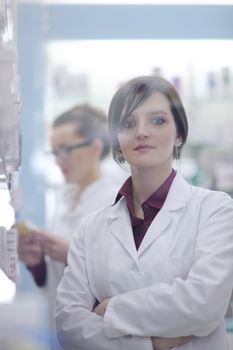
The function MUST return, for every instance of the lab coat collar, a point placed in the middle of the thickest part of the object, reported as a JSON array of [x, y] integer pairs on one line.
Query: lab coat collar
[[178, 194], [120, 227], [177, 197]]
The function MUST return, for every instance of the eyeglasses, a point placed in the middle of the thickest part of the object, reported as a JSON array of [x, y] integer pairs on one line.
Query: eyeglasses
[[64, 151]]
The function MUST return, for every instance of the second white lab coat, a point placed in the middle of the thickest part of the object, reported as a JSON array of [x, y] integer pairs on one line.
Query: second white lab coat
[[65, 222], [178, 282]]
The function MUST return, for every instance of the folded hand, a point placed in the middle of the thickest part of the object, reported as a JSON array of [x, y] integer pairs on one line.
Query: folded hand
[[165, 343]]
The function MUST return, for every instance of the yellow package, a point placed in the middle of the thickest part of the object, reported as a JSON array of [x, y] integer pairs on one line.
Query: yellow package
[[24, 228]]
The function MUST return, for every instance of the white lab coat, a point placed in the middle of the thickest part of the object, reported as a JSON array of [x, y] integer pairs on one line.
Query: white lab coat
[[65, 222], [178, 283]]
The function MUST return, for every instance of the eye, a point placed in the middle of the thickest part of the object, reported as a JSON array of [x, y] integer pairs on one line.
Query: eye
[[127, 123], [157, 120], [62, 151]]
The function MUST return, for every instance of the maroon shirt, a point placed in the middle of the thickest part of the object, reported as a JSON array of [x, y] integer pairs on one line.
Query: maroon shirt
[[150, 207]]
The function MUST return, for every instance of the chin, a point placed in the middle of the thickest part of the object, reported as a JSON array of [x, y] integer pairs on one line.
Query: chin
[[141, 164], [147, 165]]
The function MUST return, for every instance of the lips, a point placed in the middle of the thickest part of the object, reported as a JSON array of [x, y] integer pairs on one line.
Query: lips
[[143, 146]]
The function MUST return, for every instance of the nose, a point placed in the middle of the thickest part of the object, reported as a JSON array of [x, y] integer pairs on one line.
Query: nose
[[60, 161], [142, 130]]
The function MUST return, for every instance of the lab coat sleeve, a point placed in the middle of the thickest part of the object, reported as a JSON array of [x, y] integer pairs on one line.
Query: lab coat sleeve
[[195, 306], [78, 327]]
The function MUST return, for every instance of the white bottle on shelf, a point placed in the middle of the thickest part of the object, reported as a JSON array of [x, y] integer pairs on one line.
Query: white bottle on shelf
[[9, 256]]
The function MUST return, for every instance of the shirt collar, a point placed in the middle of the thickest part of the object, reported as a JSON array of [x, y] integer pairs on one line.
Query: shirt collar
[[156, 199]]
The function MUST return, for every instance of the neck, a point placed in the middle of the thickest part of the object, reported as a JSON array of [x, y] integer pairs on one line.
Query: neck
[[147, 181]]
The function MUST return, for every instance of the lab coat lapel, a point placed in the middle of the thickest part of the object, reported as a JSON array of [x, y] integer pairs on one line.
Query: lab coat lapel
[[176, 199], [120, 225], [121, 228], [161, 222]]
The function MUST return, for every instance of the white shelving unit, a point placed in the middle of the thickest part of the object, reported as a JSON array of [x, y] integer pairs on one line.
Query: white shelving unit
[[10, 108]]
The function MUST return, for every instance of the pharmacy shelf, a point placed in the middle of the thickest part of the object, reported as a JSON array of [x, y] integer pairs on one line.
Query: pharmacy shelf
[[10, 135]]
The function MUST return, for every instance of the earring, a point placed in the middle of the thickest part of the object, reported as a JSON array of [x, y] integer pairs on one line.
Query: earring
[[120, 157], [179, 144], [177, 151]]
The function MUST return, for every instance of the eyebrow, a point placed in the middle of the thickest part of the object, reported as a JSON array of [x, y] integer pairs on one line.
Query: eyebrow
[[157, 112], [150, 113]]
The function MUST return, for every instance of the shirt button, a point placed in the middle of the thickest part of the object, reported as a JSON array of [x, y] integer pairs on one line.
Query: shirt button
[[146, 206]]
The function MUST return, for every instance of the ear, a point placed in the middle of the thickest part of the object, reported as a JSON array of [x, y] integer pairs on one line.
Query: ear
[[97, 146], [178, 141]]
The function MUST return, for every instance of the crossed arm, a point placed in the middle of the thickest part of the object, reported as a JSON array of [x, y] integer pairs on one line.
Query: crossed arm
[[159, 343], [194, 306], [79, 326]]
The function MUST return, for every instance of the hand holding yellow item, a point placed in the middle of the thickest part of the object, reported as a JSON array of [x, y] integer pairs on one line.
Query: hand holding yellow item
[[25, 228]]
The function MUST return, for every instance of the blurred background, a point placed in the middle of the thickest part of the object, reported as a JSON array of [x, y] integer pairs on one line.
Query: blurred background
[[72, 51]]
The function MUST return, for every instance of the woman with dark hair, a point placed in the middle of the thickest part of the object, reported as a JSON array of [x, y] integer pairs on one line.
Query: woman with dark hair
[[159, 273], [79, 140]]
